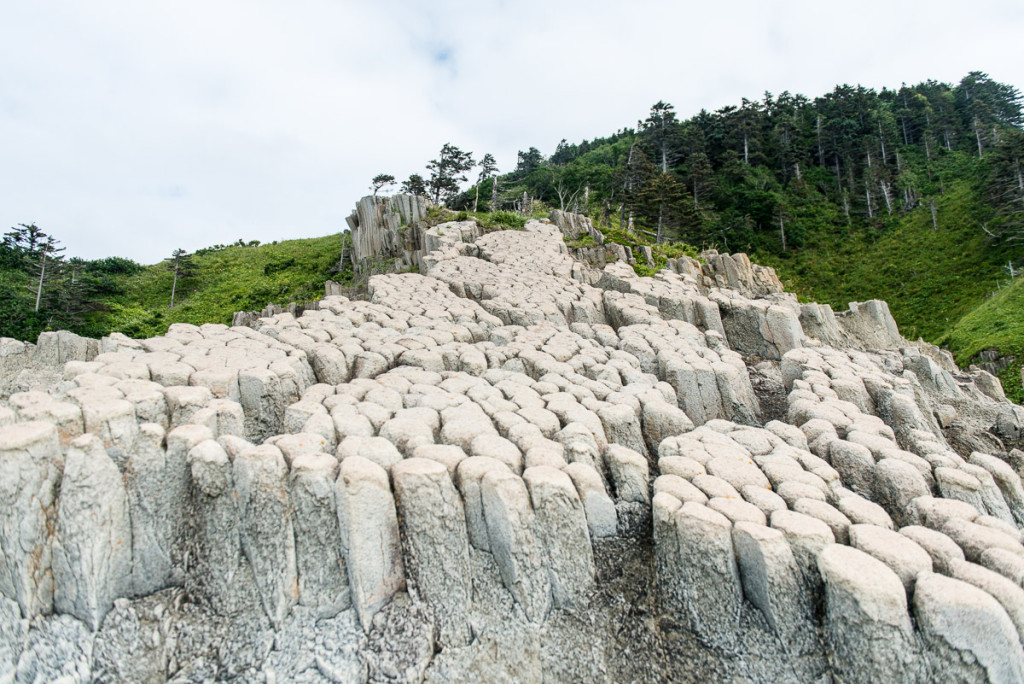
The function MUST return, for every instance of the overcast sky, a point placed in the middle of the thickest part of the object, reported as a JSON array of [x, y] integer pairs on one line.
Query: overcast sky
[[132, 128]]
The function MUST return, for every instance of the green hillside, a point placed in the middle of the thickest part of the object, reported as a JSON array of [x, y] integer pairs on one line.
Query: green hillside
[[913, 195], [997, 323], [119, 295], [236, 278]]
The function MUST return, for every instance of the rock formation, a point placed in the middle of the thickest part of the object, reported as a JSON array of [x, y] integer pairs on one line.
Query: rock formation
[[511, 466]]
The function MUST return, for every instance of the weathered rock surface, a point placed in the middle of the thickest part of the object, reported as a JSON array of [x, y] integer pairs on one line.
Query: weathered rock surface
[[512, 466]]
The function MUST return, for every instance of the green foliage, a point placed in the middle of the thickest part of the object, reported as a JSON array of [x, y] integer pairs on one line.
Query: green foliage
[[226, 280], [446, 172], [997, 324], [502, 220]]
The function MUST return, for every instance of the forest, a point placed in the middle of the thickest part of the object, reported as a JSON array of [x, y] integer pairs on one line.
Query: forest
[[769, 174]]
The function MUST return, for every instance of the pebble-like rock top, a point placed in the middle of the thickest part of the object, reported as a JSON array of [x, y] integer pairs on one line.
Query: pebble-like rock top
[[512, 467]]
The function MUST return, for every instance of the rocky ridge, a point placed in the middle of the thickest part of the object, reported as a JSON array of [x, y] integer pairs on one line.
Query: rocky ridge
[[512, 467]]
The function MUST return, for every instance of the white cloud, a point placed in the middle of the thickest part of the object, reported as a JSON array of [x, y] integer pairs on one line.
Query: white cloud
[[134, 128]]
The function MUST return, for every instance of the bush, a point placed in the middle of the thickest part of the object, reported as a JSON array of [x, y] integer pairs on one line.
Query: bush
[[505, 219]]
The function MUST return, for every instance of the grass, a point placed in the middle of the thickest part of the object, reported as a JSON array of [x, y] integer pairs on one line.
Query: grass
[[237, 278], [998, 323], [931, 278]]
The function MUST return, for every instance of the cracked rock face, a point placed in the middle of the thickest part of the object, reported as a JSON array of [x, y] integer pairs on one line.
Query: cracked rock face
[[512, 467]]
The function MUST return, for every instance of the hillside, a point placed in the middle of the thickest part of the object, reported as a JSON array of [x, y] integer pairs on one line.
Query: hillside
[[119, 295], [914, 195]]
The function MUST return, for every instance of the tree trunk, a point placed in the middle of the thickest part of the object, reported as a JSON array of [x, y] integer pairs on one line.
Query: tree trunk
[[476, 199], [881, 139], [746, 149], [1020, 180], [796, 169], [821, 152], [903, 122], [885, 194], [846, 207], [935, 218], [42, 274], [661, 217], [977, 136], [174, 285], [867, 191], [494, 195], [782, 232]]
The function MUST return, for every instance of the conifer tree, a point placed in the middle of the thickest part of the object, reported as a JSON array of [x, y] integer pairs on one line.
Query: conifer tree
[[181, 263]]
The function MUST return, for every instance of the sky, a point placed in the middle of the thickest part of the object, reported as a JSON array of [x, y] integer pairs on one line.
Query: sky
[[134, 128]]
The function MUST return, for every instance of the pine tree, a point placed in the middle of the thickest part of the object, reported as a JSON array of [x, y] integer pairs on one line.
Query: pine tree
[[381, 180], [181, 263], [447, 171], [414, 185], [488, 168]]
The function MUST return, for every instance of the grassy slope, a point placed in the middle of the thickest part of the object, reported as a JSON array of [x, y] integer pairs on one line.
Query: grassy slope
[[233, 279], [938, 283], [997, 323], [930, 277]]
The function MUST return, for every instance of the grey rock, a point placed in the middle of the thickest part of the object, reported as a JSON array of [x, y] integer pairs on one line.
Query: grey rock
[[30, 464], [807, 537], [629, 473], [323, 581], [470, 472], [92, 549], [561, 525], [1008, 481], [267, 533], [59, 650], [943, 550], [220, 574], [896, 484], [370, 538], [956, 619], [905, 557], [622, 427], [517, 551], [602, 518], [1009, 594], [867, 626], [437, 544], [711, 596], [771, 581]]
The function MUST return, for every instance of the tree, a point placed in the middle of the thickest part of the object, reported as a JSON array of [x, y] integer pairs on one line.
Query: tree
[[662, 200], [488, 168], [415, 185], [37, 252], [527, 162], [662, 129], [381, 180], [47, 254], [24, 238], [699, 176], [447, 171], [181, 263]]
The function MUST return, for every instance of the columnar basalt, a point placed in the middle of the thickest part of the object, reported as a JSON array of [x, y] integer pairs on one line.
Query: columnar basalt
[[511, 466]]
